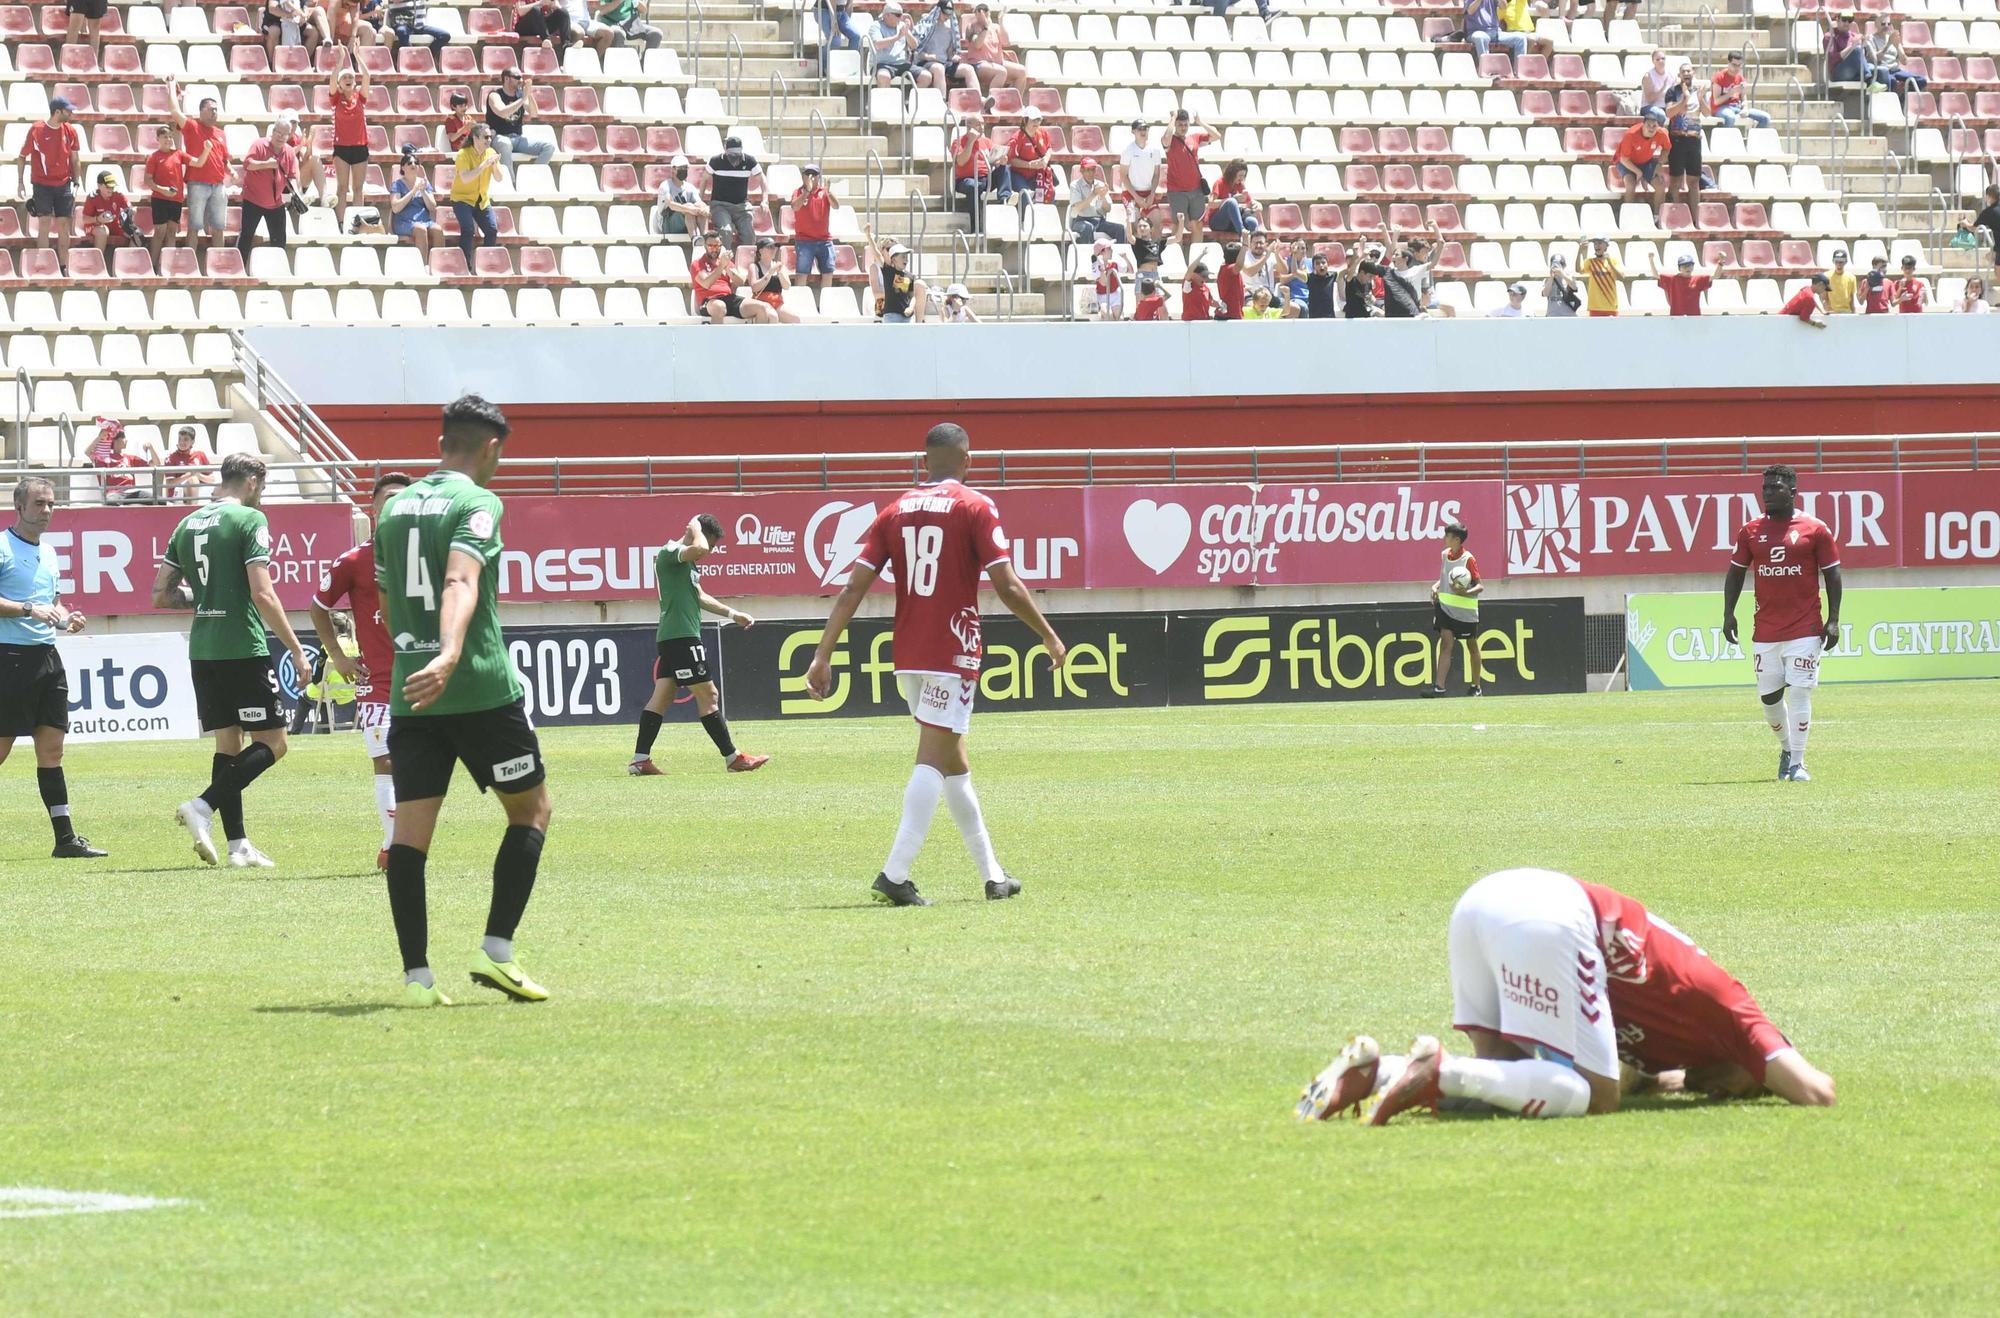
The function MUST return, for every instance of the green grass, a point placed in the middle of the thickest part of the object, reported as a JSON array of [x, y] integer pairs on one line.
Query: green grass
[[754, 1092]]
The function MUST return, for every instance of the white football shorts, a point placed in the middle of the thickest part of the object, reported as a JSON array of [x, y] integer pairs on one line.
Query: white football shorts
[[373, 721], [1787, 663], [1525, 965], [943, 700]]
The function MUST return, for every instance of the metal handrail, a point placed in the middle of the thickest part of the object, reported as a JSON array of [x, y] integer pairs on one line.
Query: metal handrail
[[917, 222], [777, 99], [868, 89], [732, 76], [272, 396], [1791, 20], [1899, 167], [694, 34], [799, 28], [1956, 125], [66, 427], [946, 196], [1936, 214], [1006, 293], [24, 392], [1795, 110], [906, 119], [874, 178], [1704, 37], [961, 245], [1840, 138], [824, 140], [1753, 59]]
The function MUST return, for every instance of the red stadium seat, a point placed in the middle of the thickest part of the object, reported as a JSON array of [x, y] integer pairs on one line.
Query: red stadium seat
[[1364, 217], [1751, 215], [1443, 217], [1007, 101], [416, 62], [1362, 178], [1718, 253], [579, 100], [539, 63], [1283, 217], [1046, 99], [293, 61], [245, 61], [664, 140], [1325, 218], [1759, 254], [492, 263], [1405, 215], [1565, 68], [449, 262], [132, 263], [16, 21], [538, 261], [39, 263], [1713, 216], [79, 58], [1438, 178], [111, 139], [458, 62], [1433, 142], [1674, 217], [1496, 65], [1393, 141], [1088, 139], [414, 98], [225, 263], [1795, 254], [1357, 142], [496, 60], [34, 59], [77, 93], [488, 23], [1916, 35], [620, 139], [179, 264], [115, 98], [1580, 141]]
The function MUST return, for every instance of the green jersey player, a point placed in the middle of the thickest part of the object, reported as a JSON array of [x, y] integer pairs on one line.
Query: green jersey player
[[218, 563], [455, 699]]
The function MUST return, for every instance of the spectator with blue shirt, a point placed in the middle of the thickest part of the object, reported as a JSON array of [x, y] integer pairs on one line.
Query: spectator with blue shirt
[[34, 689]]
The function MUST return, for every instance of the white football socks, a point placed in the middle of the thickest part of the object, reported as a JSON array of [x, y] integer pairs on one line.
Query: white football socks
[[920, 801], [385, 806], [1532, 1087], [964, 805], [1798, 699], [1774, 714]]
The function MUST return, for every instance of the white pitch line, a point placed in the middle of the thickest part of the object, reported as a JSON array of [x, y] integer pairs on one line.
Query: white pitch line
[[34, 1201]]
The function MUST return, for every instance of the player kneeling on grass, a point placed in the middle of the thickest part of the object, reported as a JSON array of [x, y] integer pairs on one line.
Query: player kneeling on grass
[[1573, 995], [683, 658], [939, 538]]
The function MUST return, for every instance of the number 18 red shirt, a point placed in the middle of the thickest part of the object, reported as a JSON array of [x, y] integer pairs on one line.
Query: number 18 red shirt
[[937, 540], [1785, 559]]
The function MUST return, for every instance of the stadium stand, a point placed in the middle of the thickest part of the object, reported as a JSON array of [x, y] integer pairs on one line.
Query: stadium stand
[[1351, 117]]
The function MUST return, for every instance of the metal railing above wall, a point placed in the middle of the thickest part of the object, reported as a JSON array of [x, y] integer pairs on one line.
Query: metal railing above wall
[[313, 437]]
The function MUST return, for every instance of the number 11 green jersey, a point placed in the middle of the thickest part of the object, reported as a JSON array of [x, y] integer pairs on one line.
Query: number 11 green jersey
[[213, 548], [417, 533]]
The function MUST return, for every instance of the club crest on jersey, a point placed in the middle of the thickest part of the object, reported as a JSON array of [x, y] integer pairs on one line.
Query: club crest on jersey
[[1624, 953], [967, 631], [480, 524]]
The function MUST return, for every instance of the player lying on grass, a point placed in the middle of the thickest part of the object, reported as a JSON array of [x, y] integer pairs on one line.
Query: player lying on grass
[[1573, 995]]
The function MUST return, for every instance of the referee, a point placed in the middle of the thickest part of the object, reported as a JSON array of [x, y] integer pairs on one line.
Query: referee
[[34, 690]]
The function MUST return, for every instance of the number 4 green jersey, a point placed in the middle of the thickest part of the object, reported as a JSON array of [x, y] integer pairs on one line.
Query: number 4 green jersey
[[213, 549], [417, 533]]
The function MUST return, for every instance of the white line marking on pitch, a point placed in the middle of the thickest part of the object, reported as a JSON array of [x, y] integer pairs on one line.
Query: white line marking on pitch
[[33, 1201]]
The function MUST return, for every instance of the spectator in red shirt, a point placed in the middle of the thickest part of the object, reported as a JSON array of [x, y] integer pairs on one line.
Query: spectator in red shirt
[[1911, 294], [715, 276], [187, 453], [166, 176], [812, 234], [1197, 299], [457, 128], [107, 215], [53, 155], [973, 171], [1187, 194], [1152, 304], [109, 454], [1879, 287], [207, 172], [1229, 283], [1231, 208], [1638, 159], [1027, 167], [350, 138], [1809, 303], [269, 170], [1684, 289]]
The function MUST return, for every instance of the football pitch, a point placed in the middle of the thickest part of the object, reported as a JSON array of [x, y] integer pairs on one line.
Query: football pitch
[[755, 1091]]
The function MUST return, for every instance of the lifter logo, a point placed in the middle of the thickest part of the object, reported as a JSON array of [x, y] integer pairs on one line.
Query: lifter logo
[[1525, 990], [1544, 529]]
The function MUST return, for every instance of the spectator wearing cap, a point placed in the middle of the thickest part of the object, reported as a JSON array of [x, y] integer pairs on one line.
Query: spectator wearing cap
[[1090, 204], [1972, 299], [1727, 99], [975, 168], [715, 276], [166, 178], [1231, 208], [1108, 271], [1841, 288], [109, 453], [893, 44], [1638, 157], [958, 306], [812, 231], [1655, 81], [1482, 30], [1601, 275], [473, 172], [1026, 172], [768, 279], [1809, 303], [53, 156], [986, 47], [1683, 288], [188, 454], [678, 207], [1559, 290], [207, 170], [1187, 193], [1516, 306], [1684, 139], [627, 19], [937, 49], [413, 210], [508, 109], [900, 297], [836, 29], [107, 215], [1137, 179], [734, 176], [270, 168], [1152, 303], [408, 20], [1911, 294], [1879, 287], [547, 24], [1197, 298], [1846, 53]]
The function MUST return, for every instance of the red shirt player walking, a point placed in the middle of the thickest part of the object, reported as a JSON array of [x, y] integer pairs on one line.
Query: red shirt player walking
[[937, 540], [1788, 552], [352, 578]]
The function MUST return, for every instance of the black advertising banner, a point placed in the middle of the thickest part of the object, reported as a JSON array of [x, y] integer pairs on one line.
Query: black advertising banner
[[580, 675], [1368, 651], [1115, 659]]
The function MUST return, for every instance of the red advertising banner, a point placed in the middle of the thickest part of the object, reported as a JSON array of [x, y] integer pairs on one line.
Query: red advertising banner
[[1649, 525], [1951, 518], [106, 558]]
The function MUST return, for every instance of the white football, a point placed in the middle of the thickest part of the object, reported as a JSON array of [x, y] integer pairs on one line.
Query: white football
[[1461, 577]]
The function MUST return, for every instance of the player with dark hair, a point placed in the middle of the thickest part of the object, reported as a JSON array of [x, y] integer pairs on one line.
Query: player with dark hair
[[218, 563], [1788, 552], [1574, 995], [683, 658], [1455, 609], [939, 538], [454, 696], [34, 687], [351, 577]]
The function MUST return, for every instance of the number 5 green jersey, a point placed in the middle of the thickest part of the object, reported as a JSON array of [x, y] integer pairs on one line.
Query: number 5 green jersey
[[417, 533], [213, 549]]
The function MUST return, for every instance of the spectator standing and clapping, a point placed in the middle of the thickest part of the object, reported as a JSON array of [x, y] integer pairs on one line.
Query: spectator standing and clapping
[[1138, 179], [836, 29], [937, 48], [1809, 303], [1911, 294], [547, 24], [892, 43], [973, 168], [1187, 193], [1879, 287], [52, 154], [409, 19], [1684, 140], [1654, 82], [107, 215], [1405, 291], [1090, 204], [1259, 264], [1516, 306], [1726, 95], [270, 168], [109, 454], [713, 275], [812, 227], [1559, 290], [1601, 275], [473, 172], [412, 207], [768, 280], [678, 208], [207, 171], [986, 47], [508, 109], [1108, 271], [1846, 53], [166, 178], [1638, 157], [958, 306], [1231, 208], [350, 139], [1482, 30], [187, 487], [1683, 288], [900, 297], [1972, 302], [1841, 291], [734, 176], [1027, 173]]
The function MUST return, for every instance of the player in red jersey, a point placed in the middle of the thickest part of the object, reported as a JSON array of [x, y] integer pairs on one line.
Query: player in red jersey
[[1574, 995], [937, 540], [352, 578], [1788, 552]]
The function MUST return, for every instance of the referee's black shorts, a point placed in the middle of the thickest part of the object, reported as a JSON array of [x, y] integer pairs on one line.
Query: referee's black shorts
[[498, 747], [34, 690]]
